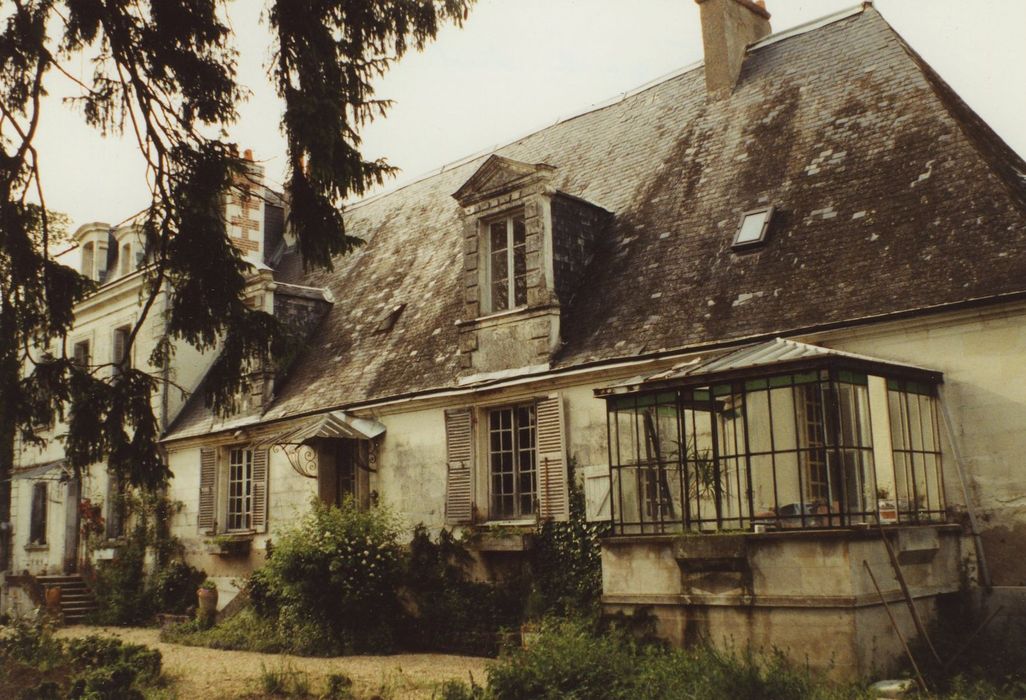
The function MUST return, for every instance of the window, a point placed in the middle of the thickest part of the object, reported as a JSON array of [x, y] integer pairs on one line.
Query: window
[[512, 462], [126, 258], [507, 262], [37, 524], [240, 489], [753, 227], [80, 354], [232, 490], [918, 492], [118, 350], [88, 258], [785, 451]]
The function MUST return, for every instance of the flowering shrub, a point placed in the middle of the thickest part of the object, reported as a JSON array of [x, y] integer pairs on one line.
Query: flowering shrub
[[332, 580]]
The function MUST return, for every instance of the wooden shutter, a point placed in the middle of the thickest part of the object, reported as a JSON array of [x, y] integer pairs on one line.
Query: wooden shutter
[[459, 456], [207, 519], [597, 494], [553, 494], [258, 521], [119, 350]]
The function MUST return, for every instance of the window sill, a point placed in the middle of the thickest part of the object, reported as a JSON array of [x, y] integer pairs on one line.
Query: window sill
[[37, 548], [505, 536], [231, 544], [498, 317]]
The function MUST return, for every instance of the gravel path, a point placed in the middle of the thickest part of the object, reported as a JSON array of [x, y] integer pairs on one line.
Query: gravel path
[[202, 673]]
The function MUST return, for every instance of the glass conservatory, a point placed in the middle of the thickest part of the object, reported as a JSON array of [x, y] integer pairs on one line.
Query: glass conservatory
[[781, 435]]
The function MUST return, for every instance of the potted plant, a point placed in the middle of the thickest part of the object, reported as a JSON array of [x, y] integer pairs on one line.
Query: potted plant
[[206, 597]]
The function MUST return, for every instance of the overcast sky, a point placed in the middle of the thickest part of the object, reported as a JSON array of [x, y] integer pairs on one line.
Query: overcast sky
[[519, 65]]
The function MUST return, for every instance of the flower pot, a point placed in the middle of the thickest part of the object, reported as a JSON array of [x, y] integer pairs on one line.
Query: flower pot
[[53, 599], [207, 599]]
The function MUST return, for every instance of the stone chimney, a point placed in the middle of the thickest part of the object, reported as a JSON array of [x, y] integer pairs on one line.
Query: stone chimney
[[728, 27], [244, 211]]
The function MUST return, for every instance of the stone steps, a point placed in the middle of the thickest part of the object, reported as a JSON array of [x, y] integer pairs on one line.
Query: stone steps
[[77, 600]]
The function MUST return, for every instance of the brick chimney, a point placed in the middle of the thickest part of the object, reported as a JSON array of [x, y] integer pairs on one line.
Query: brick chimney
[[728, 27]]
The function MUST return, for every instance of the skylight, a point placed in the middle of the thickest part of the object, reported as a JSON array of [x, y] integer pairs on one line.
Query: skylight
[[753, 227]]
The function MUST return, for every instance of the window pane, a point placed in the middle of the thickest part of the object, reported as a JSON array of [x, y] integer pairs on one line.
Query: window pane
[[497, 237], [782, 405], [757, 405], [519, 231], [512, 459]]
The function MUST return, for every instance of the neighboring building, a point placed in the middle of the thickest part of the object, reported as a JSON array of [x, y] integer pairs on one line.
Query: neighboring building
[[746, 297], [46, 497]]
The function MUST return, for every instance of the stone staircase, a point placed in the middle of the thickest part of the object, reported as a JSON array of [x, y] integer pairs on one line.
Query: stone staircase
[[77, 600]]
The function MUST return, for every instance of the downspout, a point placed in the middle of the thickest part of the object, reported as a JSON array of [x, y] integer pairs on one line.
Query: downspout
[[162, 524], [949, 428]]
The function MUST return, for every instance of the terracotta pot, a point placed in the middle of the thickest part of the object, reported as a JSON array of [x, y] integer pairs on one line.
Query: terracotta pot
[[207, 599], [53, 598]]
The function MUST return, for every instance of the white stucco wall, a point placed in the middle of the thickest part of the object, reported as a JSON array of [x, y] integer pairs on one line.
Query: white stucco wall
[[983, 357]]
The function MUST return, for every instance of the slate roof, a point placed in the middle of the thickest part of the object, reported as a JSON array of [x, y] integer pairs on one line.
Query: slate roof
[[890, 196]]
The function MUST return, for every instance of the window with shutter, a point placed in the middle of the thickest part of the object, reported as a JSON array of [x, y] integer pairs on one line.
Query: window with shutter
[[120, 346], [459, 447], [207, 519], [553, 494], [37, 525]]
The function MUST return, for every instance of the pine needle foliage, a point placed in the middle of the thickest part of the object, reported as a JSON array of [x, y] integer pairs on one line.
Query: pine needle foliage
[[164, 74]]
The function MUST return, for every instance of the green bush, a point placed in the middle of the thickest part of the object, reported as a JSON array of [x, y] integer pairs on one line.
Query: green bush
[[566, 661], [332, 580], [33, 664], [120, 585], [340, 687], [569, 660], [566, 563], [106, 683], [173, 588], [245, 631], [450, 612]]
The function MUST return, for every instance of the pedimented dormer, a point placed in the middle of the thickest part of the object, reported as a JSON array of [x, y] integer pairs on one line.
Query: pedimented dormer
[[525, 248]]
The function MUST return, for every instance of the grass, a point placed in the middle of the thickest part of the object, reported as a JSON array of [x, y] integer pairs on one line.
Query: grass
[[245, 631]]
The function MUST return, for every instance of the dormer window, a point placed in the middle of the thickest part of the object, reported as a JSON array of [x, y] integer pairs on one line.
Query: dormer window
[[753, 227], [507, 262], [525, 249], [88, 260], [126, 258]]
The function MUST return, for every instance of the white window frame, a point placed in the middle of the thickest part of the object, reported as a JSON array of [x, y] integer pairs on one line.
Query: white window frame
[[511, 301], [516, 449], [238, 457], [767, 214]]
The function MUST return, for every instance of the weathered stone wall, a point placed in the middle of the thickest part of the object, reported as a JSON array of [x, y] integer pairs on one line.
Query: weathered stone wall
[[806, 593]]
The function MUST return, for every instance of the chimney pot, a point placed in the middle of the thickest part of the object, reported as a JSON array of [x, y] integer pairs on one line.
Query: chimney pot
[[248, 154], [728, 27]]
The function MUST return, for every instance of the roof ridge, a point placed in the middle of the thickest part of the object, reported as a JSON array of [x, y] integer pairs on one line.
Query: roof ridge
[[594, 107], [611, 101], [999, 158], [811, 25]]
